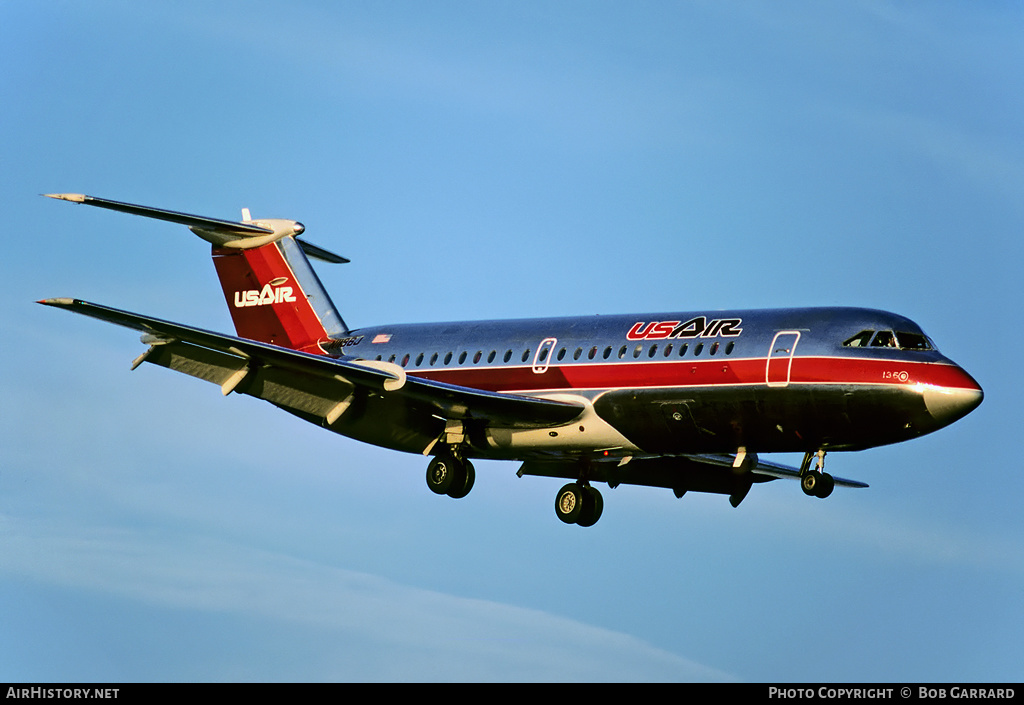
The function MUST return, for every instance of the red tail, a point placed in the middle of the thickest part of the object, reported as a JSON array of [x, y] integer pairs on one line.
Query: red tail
[[275, 296]]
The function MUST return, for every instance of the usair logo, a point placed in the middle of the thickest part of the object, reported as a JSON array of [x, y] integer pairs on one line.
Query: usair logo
[[272, 293], [699, 327]]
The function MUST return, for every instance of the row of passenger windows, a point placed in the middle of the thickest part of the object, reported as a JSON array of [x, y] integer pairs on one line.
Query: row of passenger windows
[[637, 352], [889, 339]]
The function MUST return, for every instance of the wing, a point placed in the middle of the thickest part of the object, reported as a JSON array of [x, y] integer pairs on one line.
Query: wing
[[770, 471], [318, 387], [679, 473]]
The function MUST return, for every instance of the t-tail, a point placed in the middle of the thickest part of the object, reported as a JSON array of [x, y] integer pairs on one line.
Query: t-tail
[[271, 290]]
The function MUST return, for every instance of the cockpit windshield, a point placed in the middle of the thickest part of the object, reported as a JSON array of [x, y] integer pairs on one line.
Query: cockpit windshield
[[900, 340]]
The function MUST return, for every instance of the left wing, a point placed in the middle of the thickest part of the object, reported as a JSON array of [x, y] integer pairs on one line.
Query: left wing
[[679, 473], [319, 386]]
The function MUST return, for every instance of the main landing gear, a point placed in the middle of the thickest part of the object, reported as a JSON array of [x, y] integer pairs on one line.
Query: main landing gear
[[816, 482], [448, 474], [578, 503]]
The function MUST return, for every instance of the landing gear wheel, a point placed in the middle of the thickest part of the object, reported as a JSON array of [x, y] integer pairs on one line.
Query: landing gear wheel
[[441, 473], [579, 504], [817, 484], [569, 503], [593, 505], [463, 480], [825, 486], [809, 483], [449, 475]]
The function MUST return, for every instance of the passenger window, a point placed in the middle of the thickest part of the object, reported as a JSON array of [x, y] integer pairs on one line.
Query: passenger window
[[478, 356], [698, 349], [639, 349], [447, 358], [622, 352], [607, 352], [419, 359], [433, 359], [668, 349], [576, 355], [593, 353], [860, 340], [508, 355], [490, 358], [405, 360], [526, 354], [729, 347], [714, 348], [561, 354], [462, 357], [682, 349], [653, 350]]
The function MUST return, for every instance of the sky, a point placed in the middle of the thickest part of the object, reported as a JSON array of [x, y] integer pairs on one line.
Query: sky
[[501, 160]]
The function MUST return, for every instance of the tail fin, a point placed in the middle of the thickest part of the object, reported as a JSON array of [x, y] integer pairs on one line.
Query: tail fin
[[272, 291], [275, 296]]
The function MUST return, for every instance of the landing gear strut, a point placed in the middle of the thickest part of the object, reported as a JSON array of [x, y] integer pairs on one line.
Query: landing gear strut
[[816, 482], [579, 504], [450, 475]]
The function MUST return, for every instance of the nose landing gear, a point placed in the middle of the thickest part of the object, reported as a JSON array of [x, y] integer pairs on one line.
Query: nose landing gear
[[816, 482]]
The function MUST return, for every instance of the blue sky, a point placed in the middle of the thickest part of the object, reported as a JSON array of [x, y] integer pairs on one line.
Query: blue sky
[[501, 160]]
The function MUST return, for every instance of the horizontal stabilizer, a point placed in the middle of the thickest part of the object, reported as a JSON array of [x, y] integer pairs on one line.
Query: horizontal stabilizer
[[193, 221], [243, 234]]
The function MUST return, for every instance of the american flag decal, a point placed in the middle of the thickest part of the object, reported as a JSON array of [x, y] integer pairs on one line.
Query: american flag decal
[[381, 338]]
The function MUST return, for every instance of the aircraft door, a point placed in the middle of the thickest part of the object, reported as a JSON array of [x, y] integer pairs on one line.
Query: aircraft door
[[543, 355], [779, 364]]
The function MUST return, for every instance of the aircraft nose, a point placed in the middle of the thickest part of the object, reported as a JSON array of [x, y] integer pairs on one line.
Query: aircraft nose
[[953, 400]]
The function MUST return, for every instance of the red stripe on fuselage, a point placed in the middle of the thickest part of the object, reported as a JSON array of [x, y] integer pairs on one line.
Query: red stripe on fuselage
[[702, 373]]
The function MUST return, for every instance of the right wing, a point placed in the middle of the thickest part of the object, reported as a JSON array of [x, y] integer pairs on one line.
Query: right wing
[[317, 386]]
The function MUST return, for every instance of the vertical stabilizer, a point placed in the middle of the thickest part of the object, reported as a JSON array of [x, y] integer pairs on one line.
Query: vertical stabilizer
[[275, 296]]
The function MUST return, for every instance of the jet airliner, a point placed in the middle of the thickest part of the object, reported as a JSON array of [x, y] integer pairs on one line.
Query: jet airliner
[[685, 400]]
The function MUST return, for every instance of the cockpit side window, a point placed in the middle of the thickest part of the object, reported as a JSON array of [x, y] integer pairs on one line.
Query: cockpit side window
[[913, 341], [860, 340], [887, 339]]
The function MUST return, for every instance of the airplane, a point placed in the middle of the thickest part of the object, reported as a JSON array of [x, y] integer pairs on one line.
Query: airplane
[[681, 400]]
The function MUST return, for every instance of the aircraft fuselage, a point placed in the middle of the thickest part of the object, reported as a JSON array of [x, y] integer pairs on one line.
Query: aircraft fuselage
[[696, 382]]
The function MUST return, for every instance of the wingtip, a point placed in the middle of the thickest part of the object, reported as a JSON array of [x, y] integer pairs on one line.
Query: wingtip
[[73, 197], [58, 301]]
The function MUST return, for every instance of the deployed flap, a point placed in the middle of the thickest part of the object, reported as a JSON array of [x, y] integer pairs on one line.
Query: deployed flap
[[430, 398]]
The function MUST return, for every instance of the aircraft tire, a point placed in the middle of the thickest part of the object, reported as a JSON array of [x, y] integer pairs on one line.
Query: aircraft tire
[[593, 506], [809, 483], [569, 503], [825, 486], [441, 473], [462, 480]]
